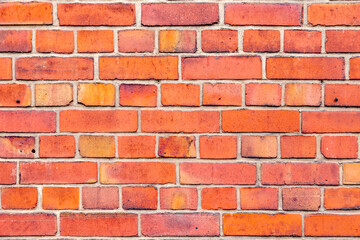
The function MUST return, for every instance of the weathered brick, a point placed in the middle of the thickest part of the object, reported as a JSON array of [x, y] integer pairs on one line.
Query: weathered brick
[[354, 68], [261, 41], [302, 94], [19, 198], [5, 69], [173, 41], [97, 146], [222, 94], [136, 146], [139, 198], [263, 94], [15, 95], [61, 146], [95, 41], [259, 198], [180, 94], [100, 197], [17, 147], [8, 172], [302, 41], [342, 198], [177, 147], [218, 147], [138, 95], [178, 198], [218, 198], [219, 40], [295, 199], [53, 94], [351, 173], [60, 198], [339, 146], [258, 146], [15, 41], [344, 95], [298, 146], [136, 41], [99, 94], [339, 41], [56, 41]]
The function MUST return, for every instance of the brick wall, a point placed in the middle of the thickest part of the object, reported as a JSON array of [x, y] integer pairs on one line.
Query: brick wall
[[179, 119]]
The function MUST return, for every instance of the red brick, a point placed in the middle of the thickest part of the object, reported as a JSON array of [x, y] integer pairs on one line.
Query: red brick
[[137, 172], [330, 121], [259, 198], [295, 199], [53, 94], [219, 40], [57, 172], [177, 14], [260, 121], [305, 68], [8, 172], [263, 14], [354, 68], [19, 198], [174, 41], [218, 198], [27, 225], [136, 146], [217, 173], [15, 41], [302, 41], [342, 198], [54, 68], [222, 94], [263, 94], [259, 146], [27, 121], [345, 95], [138, 95], [298, 146], [62, 146], [139, 198], [339, 41], [177, 147], [262, 224], [5, 69], [55, 41], [332, 225], [221, 67], [190, 224], [95, 41], [31, 13], [109, 225], [100, 197], [97, 94], [302, 94], [60, 198], [15, 95], [98, 121], [17, 147], [261, 41], [300, 173], [334, 14], [136, 41], [178, 198], [141, 68], [179, 121], [351, 173], [339, 146], [96, 146], [77, 14], [180, 94], [218, 147]]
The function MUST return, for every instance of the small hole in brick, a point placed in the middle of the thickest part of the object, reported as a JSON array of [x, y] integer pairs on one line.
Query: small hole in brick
[[336, 99], [33, 151], [17, 101], [196, 227]]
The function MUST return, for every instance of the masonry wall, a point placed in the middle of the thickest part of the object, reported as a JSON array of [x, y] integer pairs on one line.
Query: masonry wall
[[179, 119]]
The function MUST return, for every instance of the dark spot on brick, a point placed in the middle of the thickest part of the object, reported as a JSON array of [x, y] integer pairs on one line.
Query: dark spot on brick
[[336, 99], [17, 101], [33, 151]]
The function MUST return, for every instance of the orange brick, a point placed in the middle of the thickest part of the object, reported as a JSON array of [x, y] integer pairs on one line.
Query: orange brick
[[17, 147], [8, 172], [15, 41], [137, 172], [179, 121], [77, 14], [100, 197], [260, 121], [98, 121], [173, 41], [302, 41], [60, 198], [218, 147], [5, 69], [263, 14], [298, 146], [261, 41], [141, 68], [178, 198], [138, 95], [99, 94], [97, 146], [136, 41], [258, 224], [302, 94], [180, 94], [136, 146], [177, 147], [259, 198], [222, 94], [218, 198], [95, 41], [54, 68], [351, 173], [53, 94], [19, 198], [339, 146], [342, 95], [62, 146], [295, 199], [219, 40], [342, 198], [15, 95], [31, 13], [58, 172], [354, 68], [263, 94], [221, 67], [217, 173], [139, 198], [55, 41], [342, 41], [305, 68]]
